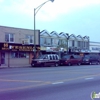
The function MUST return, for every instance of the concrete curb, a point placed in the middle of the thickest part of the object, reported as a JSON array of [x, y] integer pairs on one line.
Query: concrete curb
[[15, 66]]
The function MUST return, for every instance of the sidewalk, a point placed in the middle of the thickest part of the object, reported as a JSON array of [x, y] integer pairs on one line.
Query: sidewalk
[[15, 66]]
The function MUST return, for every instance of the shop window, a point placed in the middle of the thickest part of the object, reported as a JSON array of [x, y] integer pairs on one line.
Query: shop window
[[19, 55], [14, 55], [9, 37], [22, 55]]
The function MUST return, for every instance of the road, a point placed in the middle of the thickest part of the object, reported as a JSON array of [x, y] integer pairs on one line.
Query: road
[[50, 83]]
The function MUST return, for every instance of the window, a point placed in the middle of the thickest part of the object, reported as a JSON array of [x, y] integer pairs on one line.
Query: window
[[79, 43], [9, 37], [45, 41], [48, 41], [50, 57], [30, 38], [18, 55], [84, 43], [73, 43], [22, 55], [14, 55]]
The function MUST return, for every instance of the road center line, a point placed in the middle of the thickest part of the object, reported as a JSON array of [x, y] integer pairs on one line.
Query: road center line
[[57, 82]]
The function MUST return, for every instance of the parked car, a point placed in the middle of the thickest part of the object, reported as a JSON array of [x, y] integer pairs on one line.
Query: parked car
[[71, 60], [46, 60], [91, 59]]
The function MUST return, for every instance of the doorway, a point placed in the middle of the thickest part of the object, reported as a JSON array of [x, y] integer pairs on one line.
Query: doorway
[[2, 57]]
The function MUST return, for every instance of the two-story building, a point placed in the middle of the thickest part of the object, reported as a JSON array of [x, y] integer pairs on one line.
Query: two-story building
[[17, 45], [63, 42]]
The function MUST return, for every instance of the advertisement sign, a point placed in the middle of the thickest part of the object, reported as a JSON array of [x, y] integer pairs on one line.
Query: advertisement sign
[[17, 47]]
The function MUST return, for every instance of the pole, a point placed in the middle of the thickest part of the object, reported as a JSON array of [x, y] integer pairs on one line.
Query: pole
[[67, 45], [35, 12], [34, 37], [67, 42], [8, 59]]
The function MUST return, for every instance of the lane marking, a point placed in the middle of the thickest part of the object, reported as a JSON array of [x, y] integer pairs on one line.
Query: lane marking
[[57, 82], [89, 78], [9, 80], [23, 87], [82, 77]]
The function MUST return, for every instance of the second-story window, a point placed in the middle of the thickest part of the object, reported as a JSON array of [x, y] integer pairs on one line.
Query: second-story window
[[9, 37], [73, 43], [45, 41], [30, 38], [55, 41], [79, 43]]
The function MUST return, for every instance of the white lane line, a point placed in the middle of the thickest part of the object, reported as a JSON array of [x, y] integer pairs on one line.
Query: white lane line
[[89, 78], [57, 82]]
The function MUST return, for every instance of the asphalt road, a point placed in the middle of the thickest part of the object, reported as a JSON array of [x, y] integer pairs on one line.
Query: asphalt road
[[50, 83]]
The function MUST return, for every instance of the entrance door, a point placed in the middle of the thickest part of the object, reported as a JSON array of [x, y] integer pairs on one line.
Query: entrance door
[[2, 57]]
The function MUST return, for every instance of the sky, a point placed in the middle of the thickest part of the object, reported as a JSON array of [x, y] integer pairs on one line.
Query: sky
[[78, 17]]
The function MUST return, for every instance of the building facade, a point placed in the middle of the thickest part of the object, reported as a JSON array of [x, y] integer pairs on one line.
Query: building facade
[[17, 45], [94, 47], [63, 42]]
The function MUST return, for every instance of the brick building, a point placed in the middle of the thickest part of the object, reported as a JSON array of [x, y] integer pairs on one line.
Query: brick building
[[17, 45]]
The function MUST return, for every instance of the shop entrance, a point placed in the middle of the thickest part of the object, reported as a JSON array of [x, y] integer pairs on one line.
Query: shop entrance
[[2, 57]]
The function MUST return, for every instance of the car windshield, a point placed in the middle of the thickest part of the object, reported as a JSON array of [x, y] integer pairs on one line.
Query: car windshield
[[86, 57]]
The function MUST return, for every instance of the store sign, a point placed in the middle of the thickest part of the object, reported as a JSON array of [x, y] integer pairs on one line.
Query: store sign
[[5, 46], [18, 47], [21, 48], [96, 48], [52, 49]]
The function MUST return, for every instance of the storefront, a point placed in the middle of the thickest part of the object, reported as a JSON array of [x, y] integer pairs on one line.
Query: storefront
[[53, 50], [16, 54]]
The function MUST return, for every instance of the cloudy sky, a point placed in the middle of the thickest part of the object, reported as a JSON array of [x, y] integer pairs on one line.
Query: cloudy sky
[[78, 17]]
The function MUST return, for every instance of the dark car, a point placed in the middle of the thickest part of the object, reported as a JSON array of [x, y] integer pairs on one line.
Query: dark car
[[91, 59], [71, 60], [46, 60]]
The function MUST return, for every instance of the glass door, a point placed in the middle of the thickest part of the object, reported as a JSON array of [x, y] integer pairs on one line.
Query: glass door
[[2, 57]]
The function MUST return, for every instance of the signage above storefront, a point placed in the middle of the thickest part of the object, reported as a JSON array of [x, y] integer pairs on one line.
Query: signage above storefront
[[53, 49], [17, 47], [95, 49]]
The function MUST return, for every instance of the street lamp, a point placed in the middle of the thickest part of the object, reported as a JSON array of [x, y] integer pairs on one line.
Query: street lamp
[[35, 12], [68, 36]]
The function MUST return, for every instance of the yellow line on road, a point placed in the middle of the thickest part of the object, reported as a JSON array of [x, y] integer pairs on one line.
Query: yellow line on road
[[19, 80], [23, 87], [42, 83]]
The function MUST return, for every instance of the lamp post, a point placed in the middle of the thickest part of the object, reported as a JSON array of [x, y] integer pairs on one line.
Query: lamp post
[[67, 41], [35, 12]]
